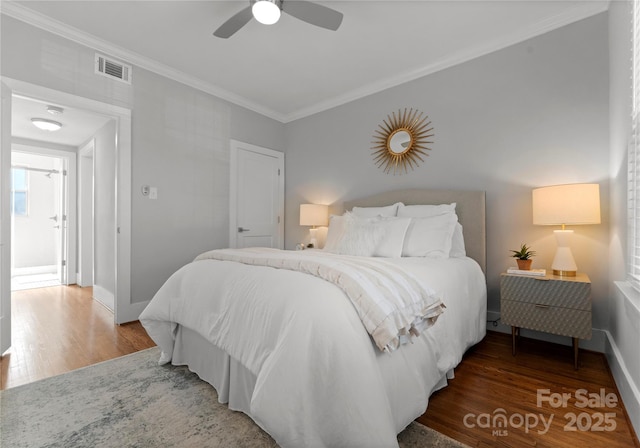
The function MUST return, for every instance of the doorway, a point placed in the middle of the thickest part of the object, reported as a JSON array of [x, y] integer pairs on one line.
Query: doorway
[[40, 231]]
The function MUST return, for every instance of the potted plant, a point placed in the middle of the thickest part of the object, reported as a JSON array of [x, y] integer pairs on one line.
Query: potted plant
[[523, 257]]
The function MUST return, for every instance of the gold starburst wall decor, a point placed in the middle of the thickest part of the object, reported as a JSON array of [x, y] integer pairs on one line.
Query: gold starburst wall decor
[[400, 142]]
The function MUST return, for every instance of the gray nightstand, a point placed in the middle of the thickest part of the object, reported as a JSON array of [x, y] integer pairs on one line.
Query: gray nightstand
[[552, 304]]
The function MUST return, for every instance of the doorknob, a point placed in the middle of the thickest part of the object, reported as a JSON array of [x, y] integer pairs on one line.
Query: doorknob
[[54, 217], [242, 229], [56, 227]]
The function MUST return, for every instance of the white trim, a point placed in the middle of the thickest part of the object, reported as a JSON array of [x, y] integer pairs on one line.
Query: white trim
[[125, 310], [5, 219], [234, 146], [34, 270], [104, 296], [86, 170], [624, 381], [580, 12], [41, 144], [46, 23]]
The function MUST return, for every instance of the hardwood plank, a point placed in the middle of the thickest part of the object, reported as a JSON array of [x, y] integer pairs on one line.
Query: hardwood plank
[[491, 381], [58, 329]]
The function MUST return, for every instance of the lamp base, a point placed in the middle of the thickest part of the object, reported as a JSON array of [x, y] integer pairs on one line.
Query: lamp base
[[561, 273], [563, 263]]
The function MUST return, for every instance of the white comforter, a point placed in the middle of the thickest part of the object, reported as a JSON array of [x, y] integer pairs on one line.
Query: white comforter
[[320, 381], [392, 305]]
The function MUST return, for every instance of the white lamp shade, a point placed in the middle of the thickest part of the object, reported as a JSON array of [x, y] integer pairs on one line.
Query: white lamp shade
[[314, 215], [567, 204]]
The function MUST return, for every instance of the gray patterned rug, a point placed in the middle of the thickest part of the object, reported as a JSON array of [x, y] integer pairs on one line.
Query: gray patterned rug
[[133, 402]]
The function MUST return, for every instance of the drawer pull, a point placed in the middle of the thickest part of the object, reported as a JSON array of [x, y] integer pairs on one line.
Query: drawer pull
[[539, 305]]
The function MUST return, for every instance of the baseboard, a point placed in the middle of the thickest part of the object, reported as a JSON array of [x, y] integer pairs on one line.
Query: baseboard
[[104, 296], [34, 270], [626, 386], [597, 342], [83, 283]]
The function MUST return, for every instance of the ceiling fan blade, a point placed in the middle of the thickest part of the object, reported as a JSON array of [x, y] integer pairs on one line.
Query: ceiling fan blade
[[228, 28], [313, 13]]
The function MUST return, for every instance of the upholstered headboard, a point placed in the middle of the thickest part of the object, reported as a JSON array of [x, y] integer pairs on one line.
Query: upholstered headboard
[[470, 209]]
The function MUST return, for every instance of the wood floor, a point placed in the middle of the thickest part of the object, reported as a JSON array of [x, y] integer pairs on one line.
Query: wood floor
[[58, 329], [490, 381], [62, 328]]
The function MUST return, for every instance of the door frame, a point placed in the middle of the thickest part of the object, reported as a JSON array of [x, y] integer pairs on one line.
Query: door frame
[[125, 310], [236, 146], [69, 165], [5, 218], [86, 170]]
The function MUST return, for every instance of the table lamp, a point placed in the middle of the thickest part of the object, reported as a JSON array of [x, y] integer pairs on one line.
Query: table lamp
[[571, 204], [314, 215]]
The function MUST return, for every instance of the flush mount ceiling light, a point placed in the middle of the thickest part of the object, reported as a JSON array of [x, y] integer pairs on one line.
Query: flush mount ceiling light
[[266, 12], [55, 110], [46, 125]]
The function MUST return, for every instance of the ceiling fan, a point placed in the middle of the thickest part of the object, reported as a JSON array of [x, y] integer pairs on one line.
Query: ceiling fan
[[268, 12]]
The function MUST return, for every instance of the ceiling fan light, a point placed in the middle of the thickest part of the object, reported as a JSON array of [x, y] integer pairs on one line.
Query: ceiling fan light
[[266, 12], [46, 125]]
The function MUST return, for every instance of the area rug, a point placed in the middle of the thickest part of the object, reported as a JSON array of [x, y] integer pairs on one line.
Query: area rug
[[133, 402]]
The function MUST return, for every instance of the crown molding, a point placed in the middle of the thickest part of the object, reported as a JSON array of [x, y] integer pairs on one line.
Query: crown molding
[[579, 12], [56, 27]]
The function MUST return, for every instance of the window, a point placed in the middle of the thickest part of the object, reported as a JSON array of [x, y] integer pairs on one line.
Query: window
[[634, 159], [19, 192]]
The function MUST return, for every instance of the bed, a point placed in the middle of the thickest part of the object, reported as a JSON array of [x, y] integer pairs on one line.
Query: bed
[[283, 337]]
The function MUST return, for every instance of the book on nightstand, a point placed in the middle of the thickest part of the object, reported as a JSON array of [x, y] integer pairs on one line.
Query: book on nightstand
[[531, 272]]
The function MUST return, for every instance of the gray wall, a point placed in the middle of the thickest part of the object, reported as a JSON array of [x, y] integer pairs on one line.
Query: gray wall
[[530, 115], [180, 139]]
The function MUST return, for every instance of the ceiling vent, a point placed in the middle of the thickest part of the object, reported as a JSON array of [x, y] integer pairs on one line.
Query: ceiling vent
[[112, 69]]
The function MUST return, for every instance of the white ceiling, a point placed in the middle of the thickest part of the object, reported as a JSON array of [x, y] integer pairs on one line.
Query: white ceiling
[[78, 126], [292, 69]]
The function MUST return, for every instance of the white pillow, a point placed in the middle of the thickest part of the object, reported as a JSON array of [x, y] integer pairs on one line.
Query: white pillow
[[360, 236], [393, 234], [334, 233], [372, 212], [430, 237], [425, 211], [458, 249], [369, 237]]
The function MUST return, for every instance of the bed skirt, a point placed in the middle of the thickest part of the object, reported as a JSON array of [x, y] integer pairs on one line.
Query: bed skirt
[[235, 383]]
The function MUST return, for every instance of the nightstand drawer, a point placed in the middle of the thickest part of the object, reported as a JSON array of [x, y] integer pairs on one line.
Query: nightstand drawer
[[550, 319], [546, 291]]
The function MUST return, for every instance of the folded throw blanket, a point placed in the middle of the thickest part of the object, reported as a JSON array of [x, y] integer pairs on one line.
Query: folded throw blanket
[[391, 303]]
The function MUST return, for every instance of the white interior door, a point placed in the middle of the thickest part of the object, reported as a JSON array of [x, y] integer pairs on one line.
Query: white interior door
[[5, 220], [257, 196]]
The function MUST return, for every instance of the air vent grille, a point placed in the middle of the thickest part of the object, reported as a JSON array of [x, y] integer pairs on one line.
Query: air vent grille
[[112, 69]]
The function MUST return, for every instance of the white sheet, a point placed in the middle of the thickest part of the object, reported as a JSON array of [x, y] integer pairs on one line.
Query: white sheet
[[320, 381]]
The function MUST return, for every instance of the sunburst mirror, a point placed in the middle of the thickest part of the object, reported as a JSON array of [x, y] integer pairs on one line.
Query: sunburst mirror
[[400, 142]]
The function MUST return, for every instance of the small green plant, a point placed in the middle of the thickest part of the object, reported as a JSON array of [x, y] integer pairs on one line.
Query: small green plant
[[525, 253]]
